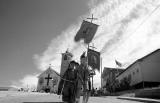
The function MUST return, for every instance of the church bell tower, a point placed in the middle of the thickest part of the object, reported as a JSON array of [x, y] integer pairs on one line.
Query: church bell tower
[[66, 58]]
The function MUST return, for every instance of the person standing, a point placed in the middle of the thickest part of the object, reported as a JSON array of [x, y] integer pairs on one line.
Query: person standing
[[68, 95], [83, 79], [78, 84]]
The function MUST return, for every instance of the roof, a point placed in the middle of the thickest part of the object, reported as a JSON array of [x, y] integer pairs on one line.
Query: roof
[[68, 53], [138, 60], [49, 70]]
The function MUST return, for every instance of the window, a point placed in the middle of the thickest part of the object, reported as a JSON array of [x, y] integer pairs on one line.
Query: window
[[133, 72], [137, 70], [65, 57]]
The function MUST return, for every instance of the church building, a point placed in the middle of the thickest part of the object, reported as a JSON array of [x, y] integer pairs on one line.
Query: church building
[[48, 81]]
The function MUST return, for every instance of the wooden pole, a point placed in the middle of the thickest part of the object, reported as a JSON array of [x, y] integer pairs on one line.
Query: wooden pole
[[92, 18], [101, 72], [88, 67]]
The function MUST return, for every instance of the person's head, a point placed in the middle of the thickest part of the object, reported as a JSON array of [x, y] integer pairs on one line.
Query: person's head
[[83, 59], [71, 64], [76, 64]]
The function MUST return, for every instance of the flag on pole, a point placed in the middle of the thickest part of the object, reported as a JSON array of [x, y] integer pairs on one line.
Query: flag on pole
[[94, 59], [118, 63], [86, 32]]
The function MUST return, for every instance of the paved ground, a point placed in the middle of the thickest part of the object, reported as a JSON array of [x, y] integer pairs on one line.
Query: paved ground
[[21, 97], [146, 100]]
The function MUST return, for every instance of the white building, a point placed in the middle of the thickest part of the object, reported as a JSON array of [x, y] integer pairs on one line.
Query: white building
[[144, 72], [48, 81]]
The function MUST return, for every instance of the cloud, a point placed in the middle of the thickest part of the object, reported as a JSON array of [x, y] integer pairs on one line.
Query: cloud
[[29, 81], [94, 3], [128, 31], [52, 55]]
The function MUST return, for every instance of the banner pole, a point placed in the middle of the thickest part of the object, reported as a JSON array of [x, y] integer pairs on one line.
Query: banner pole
[[101, 72]]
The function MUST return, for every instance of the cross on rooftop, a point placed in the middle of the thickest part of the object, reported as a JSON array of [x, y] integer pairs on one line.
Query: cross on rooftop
[[92, 18], [93, 47]]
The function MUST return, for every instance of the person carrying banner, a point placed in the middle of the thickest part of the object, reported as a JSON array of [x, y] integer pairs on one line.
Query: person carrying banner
[[78, 87], [83, 79], [69, 85]]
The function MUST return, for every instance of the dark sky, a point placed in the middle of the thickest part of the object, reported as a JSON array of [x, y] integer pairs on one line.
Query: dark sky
[[27, 27]]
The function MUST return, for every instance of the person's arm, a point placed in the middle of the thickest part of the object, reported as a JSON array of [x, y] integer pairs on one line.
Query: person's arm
[[61, 83], [87, 72]]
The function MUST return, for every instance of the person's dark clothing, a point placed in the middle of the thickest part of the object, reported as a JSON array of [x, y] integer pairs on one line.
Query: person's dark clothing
[[68, 93]]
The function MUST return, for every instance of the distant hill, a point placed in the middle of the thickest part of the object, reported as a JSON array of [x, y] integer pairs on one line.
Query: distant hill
[[8, 89]]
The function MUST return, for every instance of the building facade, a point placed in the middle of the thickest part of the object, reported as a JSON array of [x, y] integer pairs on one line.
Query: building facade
[[48, 81], [144, 72]]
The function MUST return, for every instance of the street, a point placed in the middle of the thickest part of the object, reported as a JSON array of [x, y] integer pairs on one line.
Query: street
[[25, 97]]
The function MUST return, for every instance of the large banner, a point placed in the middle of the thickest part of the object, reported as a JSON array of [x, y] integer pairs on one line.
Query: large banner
[[94, 59], [86, 32]]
